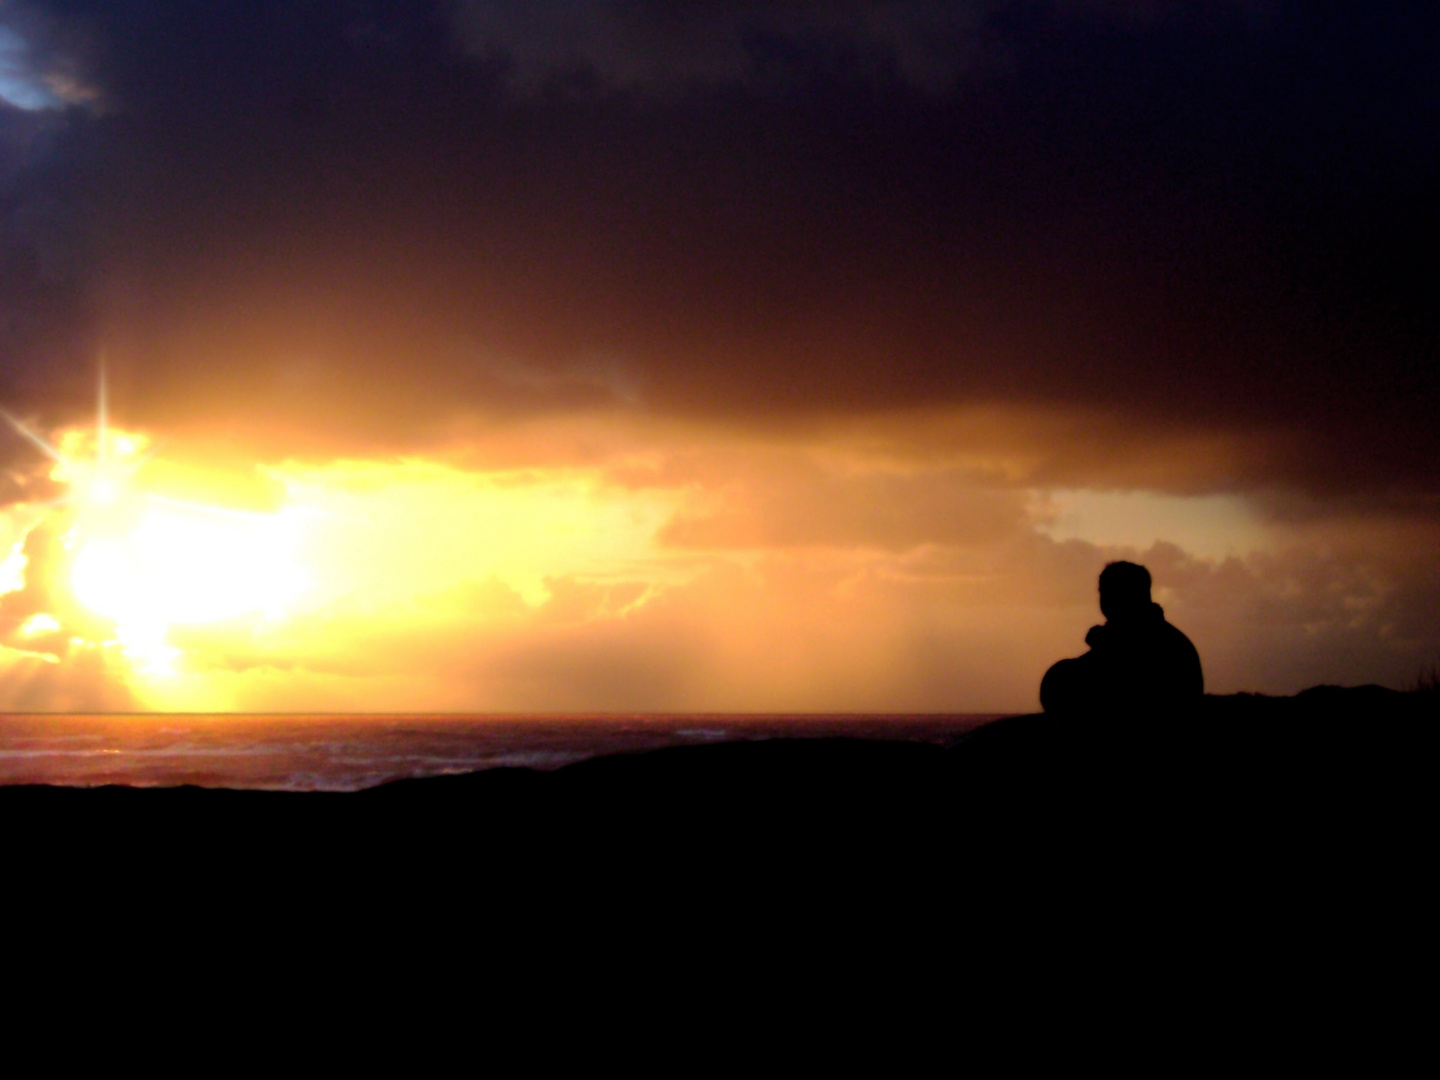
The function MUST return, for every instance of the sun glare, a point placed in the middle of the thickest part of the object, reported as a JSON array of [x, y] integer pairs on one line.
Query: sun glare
[[182, 566], [193, 577], [144, 562]]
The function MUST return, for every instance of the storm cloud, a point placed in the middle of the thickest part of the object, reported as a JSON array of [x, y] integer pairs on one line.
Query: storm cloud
[[1205, 220], [659, 46], [852, 276]]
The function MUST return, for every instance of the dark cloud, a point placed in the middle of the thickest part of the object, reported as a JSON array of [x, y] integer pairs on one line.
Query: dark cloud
[[654, 44], [342, 224]]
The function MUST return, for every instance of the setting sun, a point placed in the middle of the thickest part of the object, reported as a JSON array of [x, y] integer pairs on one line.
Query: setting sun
[[178, 565], [143, 562]]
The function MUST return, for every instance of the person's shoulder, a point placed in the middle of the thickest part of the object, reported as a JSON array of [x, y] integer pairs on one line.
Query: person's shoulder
[[1177, 637]]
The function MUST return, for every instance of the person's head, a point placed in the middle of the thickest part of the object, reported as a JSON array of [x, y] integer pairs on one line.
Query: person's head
[[1124, 590]]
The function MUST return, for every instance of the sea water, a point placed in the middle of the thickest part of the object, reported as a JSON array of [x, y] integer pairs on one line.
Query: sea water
[[306, 752]]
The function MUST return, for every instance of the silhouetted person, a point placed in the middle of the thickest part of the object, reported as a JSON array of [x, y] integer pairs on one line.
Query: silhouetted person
[[1137, 661]]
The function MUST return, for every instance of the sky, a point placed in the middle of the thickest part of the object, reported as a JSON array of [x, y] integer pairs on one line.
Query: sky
[[637, 355]]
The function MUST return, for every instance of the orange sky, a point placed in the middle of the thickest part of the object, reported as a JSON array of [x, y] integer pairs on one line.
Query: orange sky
[[914, 562], [639, 355]]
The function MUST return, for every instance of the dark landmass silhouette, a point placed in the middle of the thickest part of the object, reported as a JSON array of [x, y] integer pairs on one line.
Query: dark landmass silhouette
[[1282, 845], [1329, 758]]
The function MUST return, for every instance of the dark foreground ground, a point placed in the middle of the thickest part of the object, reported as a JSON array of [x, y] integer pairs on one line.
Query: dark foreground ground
[[1276, 848]]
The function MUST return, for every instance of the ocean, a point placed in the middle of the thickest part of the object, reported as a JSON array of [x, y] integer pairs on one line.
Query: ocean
[[307, 752]]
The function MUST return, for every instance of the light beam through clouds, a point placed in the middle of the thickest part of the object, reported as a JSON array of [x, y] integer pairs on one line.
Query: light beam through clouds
[[133, 563], [730, 355], [654, 565]]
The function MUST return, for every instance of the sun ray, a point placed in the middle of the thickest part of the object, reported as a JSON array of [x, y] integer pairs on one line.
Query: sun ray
[[102, 420], [146, 563], [38, 440]]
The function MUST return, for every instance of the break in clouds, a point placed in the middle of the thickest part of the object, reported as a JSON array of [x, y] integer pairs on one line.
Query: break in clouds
[[693, 570], [880, 311]]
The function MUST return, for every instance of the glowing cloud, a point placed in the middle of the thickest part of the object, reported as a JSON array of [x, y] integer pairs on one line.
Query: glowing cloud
[[648, 567], [144, 563]]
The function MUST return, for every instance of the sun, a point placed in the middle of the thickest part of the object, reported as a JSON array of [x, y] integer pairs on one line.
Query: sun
[[145, 563]]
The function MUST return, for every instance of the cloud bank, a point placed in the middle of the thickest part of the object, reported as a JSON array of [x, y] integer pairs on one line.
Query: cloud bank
[[859, 287], [688, 570], [653, 44]]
